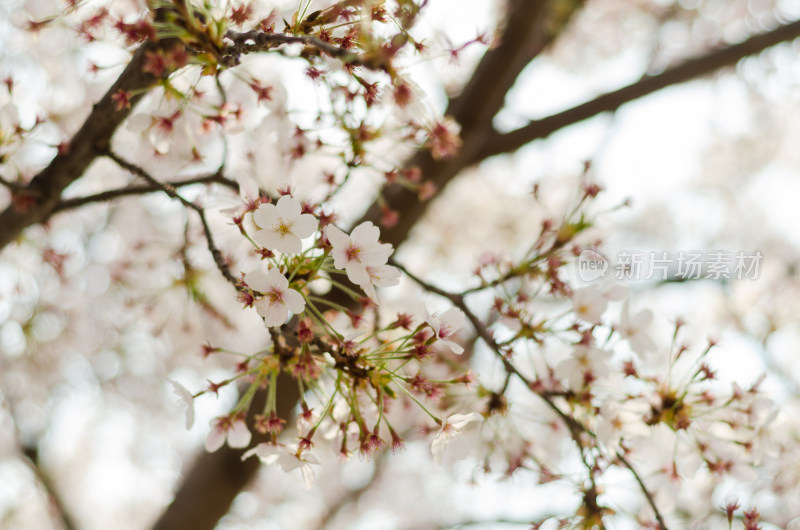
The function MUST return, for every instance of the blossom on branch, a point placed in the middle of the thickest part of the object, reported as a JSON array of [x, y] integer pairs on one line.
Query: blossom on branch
[[634, 328], [187, 400], [233, 430], [288, 458], [451, 428], [445, 325], [278, 300], [363, 257], [283, 226]]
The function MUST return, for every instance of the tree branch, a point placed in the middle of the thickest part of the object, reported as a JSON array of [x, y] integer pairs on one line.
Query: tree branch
[[531, 25], [259, 41], [91, 140], [693, 68], [219, 259], [575, 427], [142, 189]]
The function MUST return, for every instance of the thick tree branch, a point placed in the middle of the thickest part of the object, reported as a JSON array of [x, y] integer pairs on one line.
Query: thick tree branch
[[531, 25], [504, 143], [43, 193]]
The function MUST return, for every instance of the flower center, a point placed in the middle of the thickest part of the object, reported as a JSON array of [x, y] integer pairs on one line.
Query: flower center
[[275, 296], [352, 252], [283, 227]]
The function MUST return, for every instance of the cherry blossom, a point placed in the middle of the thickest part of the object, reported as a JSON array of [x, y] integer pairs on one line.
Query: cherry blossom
[[249, 197], [451, 428], [590, 303], [445, 326], [187, 400], [618, 421], [587, 364], [382, 276], [283, 226], [444, 138], [278, 300], [363, 257], [232, 430], [634, 328], [288, 458]]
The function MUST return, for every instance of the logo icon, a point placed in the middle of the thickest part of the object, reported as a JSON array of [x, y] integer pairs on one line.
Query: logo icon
[[591, 265]]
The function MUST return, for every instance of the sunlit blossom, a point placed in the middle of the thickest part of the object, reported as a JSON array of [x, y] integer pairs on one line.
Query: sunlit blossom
[[288, 458], [363, 257], [232, 430], [451, 428], [445, 325], [278, 300], [283, 226], [187, 400]]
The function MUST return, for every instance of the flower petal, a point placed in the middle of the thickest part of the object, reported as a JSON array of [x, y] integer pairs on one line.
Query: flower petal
[[187, 400], [288, 207], [287, 243], [239, 436], [305, 225], [274, 313], [294, 301], [336, 237], [366, 233], [357, 273], [216, 436], [257, 280], [266, 215]]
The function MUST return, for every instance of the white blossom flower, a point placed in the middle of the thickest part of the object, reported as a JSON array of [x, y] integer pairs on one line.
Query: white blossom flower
[[157, 129], [589, 303], [634, 328], [249, 197], [223, 428], [186, 400], [382, 276], [451, 428], [278, 299], [287, 457], [363, 257], [445, 326], [586, 365], [283, 226], [617, 421]]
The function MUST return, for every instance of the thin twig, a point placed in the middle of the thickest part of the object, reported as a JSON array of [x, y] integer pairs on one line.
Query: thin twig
[[171, 191], [576, 428], [140, 189]]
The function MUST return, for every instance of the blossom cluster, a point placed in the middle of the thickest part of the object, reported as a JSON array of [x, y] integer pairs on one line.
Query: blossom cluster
[[354, 373]]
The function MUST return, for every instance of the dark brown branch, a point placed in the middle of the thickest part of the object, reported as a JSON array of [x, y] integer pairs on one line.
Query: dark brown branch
[[142, 189], [531, 25], [504, 143], [258, 41], [43, 193]]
